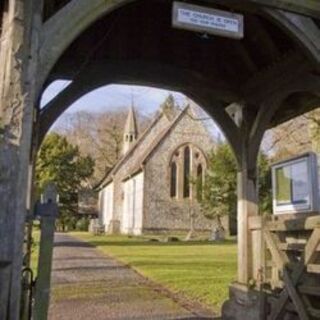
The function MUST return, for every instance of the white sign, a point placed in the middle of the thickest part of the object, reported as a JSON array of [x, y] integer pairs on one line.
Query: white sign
[[196, 18]]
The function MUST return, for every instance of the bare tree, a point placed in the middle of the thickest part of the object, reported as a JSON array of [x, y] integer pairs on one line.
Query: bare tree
[[99, 135], [299, 135], [313, 119]]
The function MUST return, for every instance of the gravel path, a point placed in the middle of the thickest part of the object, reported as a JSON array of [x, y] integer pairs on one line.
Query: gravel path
[[91, 286]]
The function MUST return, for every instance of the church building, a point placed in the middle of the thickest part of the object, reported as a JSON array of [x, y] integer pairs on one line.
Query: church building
[[152, 187]]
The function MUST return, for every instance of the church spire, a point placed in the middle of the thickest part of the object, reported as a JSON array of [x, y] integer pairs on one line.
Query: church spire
[[130, 130]]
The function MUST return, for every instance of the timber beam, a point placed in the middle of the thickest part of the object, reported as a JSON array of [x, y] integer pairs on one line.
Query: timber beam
[[303, 30], [78, 15], [270, 80], [213, 94], [289, 110], [66, 25], [310, 8]]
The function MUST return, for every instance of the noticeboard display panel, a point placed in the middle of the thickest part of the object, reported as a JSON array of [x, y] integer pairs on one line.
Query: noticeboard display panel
[[295, 185]]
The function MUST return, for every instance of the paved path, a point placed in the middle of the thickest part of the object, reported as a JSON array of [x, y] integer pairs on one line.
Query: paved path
[[91, 286]]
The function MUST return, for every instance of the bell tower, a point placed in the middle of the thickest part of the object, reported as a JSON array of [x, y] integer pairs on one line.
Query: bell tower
[[130, 134]]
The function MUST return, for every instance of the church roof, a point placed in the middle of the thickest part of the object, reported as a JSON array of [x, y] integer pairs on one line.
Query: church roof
[[143, 157], [108, 177], [155, 143]]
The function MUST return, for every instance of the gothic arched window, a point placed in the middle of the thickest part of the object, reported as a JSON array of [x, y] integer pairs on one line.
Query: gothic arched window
[[186, 173], [199, 181], [187, 165], [173, 184]]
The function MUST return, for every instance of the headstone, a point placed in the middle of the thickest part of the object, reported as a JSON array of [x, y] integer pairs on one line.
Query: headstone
[[50, 194], [88, 202]]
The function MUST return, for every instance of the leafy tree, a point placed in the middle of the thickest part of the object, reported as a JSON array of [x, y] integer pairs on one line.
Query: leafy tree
[[60, 162], [219, 194], [264, 180]]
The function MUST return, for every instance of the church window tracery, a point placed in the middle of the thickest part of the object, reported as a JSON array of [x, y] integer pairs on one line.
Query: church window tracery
[[199, 181], [186, 173], [187, 164], [173, 187]]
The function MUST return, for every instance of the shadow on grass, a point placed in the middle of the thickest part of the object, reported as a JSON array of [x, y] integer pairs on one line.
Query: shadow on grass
[[76, 244], [143, 243], [196, 318], [179, 264], [91, 268], [91, 258], [159, 316]]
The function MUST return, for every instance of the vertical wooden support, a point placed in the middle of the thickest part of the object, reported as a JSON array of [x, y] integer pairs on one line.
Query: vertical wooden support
[[17, 96], [247, 207], [42, 293], [4, 291], [48, 218], [258, 249], [252, 128], [31, 200], [25, 303], [246, 191], [5, 259], [245, 303]]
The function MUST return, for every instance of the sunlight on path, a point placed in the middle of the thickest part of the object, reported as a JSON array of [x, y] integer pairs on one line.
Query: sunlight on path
[[89, 285]]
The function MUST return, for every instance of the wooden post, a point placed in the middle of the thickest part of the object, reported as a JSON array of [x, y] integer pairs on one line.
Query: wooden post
[[17, 96], [247, 207], [31, 200], [42, 293], [5, 287], [246, 190], [48, 213], [258, 249]]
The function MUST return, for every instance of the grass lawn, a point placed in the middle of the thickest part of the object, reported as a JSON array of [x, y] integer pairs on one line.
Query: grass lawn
[[201, 271]]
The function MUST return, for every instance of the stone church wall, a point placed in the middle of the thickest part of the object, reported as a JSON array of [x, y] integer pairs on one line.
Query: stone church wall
[[130, 163], [161, 212]]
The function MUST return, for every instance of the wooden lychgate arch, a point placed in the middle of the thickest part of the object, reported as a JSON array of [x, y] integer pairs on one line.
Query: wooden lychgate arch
[[93, 43]]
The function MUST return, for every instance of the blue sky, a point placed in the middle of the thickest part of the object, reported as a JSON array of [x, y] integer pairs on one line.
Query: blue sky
[[146, 99]]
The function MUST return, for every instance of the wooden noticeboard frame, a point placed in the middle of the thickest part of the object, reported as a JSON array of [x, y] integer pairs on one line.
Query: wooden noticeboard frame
[[311, 188]]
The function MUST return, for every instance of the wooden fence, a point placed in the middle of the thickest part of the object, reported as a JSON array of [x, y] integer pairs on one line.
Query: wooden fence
[[286, 265]]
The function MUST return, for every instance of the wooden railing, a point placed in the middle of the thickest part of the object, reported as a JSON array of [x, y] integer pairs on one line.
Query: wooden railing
[[286, 264]]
